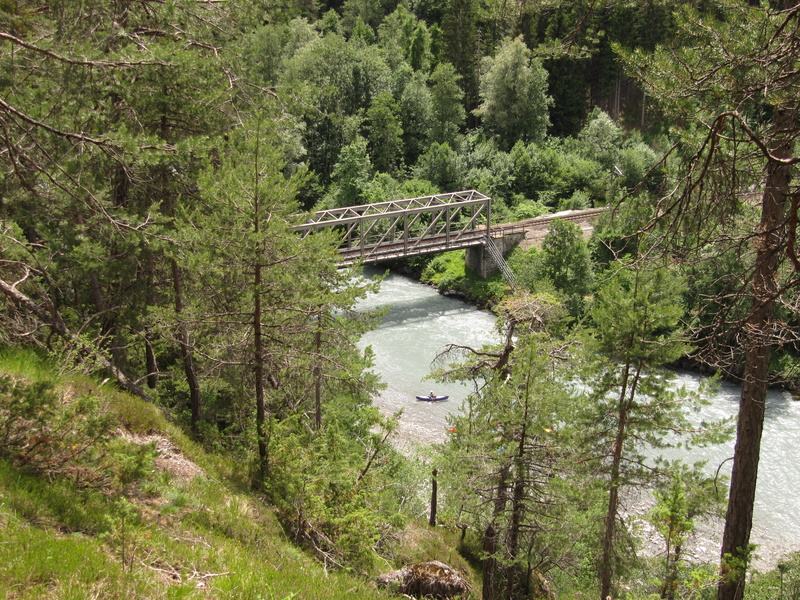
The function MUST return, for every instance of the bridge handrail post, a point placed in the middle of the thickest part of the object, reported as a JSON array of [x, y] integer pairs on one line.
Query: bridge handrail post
[[405, 233], [447, 224]]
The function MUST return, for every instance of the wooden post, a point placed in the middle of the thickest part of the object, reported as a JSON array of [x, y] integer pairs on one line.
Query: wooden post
[[432, 520]]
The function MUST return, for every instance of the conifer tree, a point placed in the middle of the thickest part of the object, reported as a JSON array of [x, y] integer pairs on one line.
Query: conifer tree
[[90, 175], [461, 47], [504, 455], [263, 299], [448, 110], [631, 405], [736, 76]]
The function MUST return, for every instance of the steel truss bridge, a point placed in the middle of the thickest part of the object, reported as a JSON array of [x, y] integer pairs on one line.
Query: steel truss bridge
[[383, 231]]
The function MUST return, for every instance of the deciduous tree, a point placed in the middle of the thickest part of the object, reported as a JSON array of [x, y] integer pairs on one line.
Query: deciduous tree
[[513, 91]]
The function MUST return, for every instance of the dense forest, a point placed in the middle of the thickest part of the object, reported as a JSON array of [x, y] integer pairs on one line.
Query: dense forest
[[156, 156]]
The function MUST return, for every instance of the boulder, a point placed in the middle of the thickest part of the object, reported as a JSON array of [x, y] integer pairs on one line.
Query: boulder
[[426, 580]]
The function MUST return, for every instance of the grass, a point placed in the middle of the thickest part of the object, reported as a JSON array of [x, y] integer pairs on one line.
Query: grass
[[448, 272], [157, 534]]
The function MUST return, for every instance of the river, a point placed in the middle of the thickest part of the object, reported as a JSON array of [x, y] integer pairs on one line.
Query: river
[[420, 322]]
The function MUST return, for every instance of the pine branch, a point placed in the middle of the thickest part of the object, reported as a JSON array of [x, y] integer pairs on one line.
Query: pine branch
[[49, 315], [83, 62]]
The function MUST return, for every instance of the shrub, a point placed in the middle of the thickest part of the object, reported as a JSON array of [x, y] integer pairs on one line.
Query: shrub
[[42, 431]]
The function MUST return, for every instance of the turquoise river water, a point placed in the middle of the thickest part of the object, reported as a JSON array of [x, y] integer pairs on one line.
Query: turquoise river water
[[420, 322]]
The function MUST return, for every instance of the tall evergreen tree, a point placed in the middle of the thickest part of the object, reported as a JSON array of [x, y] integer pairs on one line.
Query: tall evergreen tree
[[266, 321], [632, 404], [90, 175], [461, 47], [736, 75], [503, 459], [416, 114], [448, 110]]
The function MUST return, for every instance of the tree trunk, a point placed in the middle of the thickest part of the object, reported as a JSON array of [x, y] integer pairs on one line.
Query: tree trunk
[[613, 490], [770, 243], [490, 540], [515, 578], [318, 375], [186, 349], [258, 359], [258, 340], [150, 361], [515, 574], [434, 499], [489, 564]]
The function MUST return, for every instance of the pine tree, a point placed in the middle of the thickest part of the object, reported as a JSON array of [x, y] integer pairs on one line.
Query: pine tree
[[504, 457], [632, 404], [448, 110], [125, 147], [736, 75]]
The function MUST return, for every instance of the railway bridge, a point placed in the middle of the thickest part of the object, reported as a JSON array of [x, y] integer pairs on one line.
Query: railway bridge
[[383, 231]]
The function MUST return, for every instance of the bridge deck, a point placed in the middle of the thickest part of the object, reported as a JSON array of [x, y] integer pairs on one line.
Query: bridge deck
[[374, 253]]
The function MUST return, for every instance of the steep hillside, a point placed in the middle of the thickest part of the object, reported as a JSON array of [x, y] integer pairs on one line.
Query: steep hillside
[[101, 497]]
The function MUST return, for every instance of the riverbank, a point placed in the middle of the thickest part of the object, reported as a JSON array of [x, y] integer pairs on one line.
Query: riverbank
[[447, 273], [703, 544], [422, 321]]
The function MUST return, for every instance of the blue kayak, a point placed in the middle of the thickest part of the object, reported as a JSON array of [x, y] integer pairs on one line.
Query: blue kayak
[[432, 398]]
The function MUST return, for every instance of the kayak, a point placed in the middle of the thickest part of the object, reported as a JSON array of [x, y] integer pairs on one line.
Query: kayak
[[434, 399]]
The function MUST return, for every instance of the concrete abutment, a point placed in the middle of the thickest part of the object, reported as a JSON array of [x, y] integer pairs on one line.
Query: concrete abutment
[[480, 261]]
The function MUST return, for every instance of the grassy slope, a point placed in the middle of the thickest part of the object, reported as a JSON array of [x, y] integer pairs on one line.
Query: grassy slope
[[187, 529]]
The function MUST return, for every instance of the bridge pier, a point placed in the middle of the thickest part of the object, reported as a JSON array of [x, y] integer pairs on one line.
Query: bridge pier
[[480, 261]]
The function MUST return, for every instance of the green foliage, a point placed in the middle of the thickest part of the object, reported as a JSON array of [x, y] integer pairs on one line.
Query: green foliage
[[502, 465], [384, 132], [445, 271], [459, 39], [416, 114], [601, 138], [65, 540], [448, 110], [442, 166], [630, 404], [635, 308], [565, 261], [129, 185], [673, 518], [351, 175], [329, 488], [529, 209], [782, 583], [513, 93], [404, 37], [268, 48], [448, 272], [338, 80], [43, 431]]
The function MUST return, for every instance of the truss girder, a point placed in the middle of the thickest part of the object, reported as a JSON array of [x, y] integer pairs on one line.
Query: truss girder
[[399, 228]]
